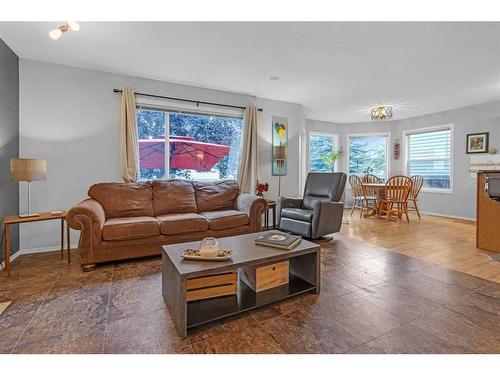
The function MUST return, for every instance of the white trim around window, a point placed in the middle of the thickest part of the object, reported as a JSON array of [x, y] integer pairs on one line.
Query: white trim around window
[[388, 149], [336, 146], [405, 150]]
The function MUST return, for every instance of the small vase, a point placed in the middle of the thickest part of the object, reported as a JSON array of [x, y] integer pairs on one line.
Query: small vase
[[260, 194]]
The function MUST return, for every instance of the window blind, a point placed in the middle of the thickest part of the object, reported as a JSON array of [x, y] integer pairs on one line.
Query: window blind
[[429, 155]]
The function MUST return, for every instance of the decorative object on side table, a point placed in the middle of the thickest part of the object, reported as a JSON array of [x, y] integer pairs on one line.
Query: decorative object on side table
[[261, 188], [28, 170], [477, 143]]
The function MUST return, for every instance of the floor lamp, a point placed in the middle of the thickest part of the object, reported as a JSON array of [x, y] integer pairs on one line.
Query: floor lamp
[[28, 170]]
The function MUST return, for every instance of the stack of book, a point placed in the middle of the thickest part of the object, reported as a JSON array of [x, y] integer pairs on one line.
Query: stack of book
[[278, 239]]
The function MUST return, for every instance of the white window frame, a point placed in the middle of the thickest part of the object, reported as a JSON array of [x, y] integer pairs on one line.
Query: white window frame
[[406, 148], [336, 146], [388, 149], [165, 106]]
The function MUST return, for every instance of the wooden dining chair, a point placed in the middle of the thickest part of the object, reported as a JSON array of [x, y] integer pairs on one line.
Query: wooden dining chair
[[417, 183], [357, 197], [372, 179], [395, 201]]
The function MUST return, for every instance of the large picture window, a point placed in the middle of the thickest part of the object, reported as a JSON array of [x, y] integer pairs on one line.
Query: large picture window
[[200, 146], [428, 154], [368, 154], [321, 150]]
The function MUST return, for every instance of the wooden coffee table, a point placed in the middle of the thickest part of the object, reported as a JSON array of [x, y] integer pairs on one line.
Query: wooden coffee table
[[304, 266]]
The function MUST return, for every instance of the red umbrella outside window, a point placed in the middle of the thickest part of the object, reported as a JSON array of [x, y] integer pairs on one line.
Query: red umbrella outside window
[[184, 153]]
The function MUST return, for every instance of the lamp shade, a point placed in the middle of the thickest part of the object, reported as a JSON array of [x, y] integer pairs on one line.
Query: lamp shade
[[28, 169]]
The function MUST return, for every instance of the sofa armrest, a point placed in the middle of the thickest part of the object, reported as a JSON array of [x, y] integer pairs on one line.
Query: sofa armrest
[[88, 217], [254, 207], [327, 218]]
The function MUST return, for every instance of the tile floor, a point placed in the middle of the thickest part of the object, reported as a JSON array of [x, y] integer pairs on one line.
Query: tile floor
[[372, 301]]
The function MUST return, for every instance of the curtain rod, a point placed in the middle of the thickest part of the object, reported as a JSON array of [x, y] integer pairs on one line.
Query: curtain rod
[[197, 102]]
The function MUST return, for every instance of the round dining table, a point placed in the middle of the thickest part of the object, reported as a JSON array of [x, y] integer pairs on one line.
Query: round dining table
[[379, 190]]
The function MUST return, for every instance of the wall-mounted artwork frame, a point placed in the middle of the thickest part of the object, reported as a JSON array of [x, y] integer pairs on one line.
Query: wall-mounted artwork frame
[[279, 145], [478, 143]]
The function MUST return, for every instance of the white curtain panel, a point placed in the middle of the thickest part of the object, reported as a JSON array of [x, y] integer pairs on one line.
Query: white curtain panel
[[129, 146], [248, 172]]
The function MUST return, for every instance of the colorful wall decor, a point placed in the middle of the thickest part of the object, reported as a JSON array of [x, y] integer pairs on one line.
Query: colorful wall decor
[[279, 145]]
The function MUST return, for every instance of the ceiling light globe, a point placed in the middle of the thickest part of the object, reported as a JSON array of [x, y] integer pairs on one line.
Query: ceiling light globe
[[55, 34], [74, 25]]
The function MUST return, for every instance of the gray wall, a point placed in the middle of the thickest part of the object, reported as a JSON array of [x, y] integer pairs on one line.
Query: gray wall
[[474, 119], [9, 136], [70, 117]]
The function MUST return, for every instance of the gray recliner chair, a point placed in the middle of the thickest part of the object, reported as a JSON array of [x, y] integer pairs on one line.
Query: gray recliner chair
[[319, 212]]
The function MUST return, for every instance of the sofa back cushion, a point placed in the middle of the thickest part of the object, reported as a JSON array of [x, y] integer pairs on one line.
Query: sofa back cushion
[[173, 197], [212, 196], [124, 199]]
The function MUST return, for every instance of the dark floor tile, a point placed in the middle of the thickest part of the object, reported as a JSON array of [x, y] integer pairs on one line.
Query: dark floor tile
[[251, 340], [16, 318], [67, 322], [352, 275], [309, 331], [398, 301], [441, 332], [481, 309], [429, 288], [80, 339], [453, 277], [135, 295], [404, 262], [360, 318], [151, 332]]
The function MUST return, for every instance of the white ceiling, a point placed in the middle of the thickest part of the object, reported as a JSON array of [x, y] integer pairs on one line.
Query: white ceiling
[[336, 70]]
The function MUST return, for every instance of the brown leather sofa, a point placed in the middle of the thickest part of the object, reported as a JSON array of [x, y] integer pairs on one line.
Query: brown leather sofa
[[129, 220]]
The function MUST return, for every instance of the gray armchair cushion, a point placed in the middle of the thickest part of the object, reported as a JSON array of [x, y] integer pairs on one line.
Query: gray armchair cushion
[[323, 187], [297, 214]]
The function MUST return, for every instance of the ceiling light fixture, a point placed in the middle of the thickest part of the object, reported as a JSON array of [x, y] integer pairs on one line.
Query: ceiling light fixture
[[70, 25], [274, 78], [382, 112]]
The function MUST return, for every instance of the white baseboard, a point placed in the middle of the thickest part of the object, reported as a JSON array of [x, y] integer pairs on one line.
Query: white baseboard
[[35, 250], [441, 215], [450, 216]]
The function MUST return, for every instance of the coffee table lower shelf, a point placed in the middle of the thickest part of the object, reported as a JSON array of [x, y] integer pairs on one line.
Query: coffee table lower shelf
[[209, 310]]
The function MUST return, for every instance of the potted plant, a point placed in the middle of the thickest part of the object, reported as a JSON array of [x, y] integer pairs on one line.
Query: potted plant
[[330, 158]]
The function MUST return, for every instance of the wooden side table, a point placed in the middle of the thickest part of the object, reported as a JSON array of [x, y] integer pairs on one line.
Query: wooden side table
[[9, 220], [271, 205]]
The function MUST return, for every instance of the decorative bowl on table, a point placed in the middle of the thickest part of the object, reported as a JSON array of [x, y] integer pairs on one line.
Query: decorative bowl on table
[[209, 250]]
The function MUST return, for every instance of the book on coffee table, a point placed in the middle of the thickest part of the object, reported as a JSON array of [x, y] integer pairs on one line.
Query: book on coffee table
[[278, 239]]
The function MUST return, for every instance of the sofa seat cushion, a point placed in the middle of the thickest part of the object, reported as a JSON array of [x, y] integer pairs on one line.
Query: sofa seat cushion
[[218, 220], [297, 214], [126, 228], [182, 223]]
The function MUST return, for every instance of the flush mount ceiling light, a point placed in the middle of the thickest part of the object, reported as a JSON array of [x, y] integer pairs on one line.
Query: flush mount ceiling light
[[274, 78], [70, 25], [382, 112]]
